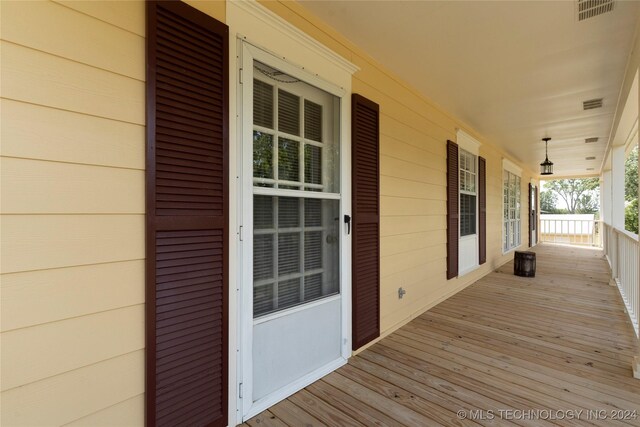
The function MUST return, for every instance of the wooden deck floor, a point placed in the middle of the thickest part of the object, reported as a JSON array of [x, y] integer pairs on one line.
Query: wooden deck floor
[[557, 342]]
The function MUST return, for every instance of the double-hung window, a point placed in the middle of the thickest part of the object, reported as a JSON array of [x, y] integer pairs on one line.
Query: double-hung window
[[511, 238], [468, 193]]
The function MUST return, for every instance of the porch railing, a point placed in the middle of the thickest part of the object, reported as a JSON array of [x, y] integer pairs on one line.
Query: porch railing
[[571, 231], [621, 249]]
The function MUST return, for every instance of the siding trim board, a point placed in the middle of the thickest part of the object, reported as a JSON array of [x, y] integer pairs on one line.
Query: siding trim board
[[366, 220], [186, 217], [453, 195]]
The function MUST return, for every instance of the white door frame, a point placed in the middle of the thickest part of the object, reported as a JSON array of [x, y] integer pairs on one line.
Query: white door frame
[[247, 53], [534, 194], [468, 245]]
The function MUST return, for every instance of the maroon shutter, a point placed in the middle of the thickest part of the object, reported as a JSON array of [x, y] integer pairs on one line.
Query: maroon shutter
[[187, 217], [482, 207], [365, 142], [452, 209], [531, 215]]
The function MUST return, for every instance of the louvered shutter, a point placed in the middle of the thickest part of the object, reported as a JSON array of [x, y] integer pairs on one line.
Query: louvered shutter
[[482, 207], [187, 216], [365, 142], [452, 209]]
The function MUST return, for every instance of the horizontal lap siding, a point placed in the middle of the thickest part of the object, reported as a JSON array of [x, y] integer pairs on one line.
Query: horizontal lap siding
[[72, 164], [73, 96], [413, 135]]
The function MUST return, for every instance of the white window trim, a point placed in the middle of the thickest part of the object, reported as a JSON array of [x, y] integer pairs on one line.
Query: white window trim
[[511, 164], [470, 193], [472, 146], [511, 167], [286, 29], [249, 21], [467, 142]]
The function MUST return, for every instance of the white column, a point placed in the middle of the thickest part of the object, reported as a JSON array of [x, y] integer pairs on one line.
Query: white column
[[636, 359], [617, 187], [605, 196]]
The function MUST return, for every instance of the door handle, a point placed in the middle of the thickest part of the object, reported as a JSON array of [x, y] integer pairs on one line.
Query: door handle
[[347, 220]]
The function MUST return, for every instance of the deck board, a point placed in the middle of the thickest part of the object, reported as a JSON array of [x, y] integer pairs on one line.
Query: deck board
[[559, 341]]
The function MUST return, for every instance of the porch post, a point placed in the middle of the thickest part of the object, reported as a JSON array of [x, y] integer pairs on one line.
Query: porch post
[[636, 358], [617, 187]]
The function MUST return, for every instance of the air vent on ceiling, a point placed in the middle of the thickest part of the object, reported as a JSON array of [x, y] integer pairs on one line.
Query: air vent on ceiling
[[590, 158], [589, 169], [590, 140], [592, 103], [591, 8]]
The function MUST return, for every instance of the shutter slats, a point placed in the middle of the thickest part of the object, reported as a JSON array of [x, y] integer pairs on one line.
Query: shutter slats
[[194, 353], [185, 23], [366, 221], [452, 209], [196, 141], [187, 252], [482, 207], [189, 114], [176, 93], [182, 80]]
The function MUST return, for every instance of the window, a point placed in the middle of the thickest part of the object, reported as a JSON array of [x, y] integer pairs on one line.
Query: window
[[511, 211], [295, 154], [468, 193]]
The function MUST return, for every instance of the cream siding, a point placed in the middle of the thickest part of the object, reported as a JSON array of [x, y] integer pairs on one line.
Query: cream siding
[[72, 168], [413, 135], [72, 291]]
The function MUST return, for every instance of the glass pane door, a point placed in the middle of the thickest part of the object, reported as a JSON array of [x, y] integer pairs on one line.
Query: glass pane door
[[296, 201]]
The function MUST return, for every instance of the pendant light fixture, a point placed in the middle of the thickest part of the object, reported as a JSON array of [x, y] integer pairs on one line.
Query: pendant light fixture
[[546, 167]]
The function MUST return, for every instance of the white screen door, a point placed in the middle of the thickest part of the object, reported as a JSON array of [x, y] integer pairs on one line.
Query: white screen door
[[291, 258]]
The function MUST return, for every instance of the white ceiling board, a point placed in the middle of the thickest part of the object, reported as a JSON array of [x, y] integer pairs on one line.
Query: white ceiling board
[[516, 71]]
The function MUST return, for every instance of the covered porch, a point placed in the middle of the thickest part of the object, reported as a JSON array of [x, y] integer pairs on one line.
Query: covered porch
[[554, 349]]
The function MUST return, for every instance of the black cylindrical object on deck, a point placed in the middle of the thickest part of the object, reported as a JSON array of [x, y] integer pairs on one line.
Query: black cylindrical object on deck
[[524, 264]]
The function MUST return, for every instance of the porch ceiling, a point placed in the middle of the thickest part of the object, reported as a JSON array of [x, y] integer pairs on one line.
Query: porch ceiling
[[514, 71]]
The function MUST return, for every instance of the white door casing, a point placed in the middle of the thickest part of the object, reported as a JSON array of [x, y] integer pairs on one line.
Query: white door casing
[[249, 21]]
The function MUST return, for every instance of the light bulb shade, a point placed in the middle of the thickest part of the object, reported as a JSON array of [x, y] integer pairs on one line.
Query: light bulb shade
[[546, 167]]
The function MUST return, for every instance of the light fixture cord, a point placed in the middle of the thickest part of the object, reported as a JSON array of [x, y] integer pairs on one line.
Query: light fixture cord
[[546, 150]]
